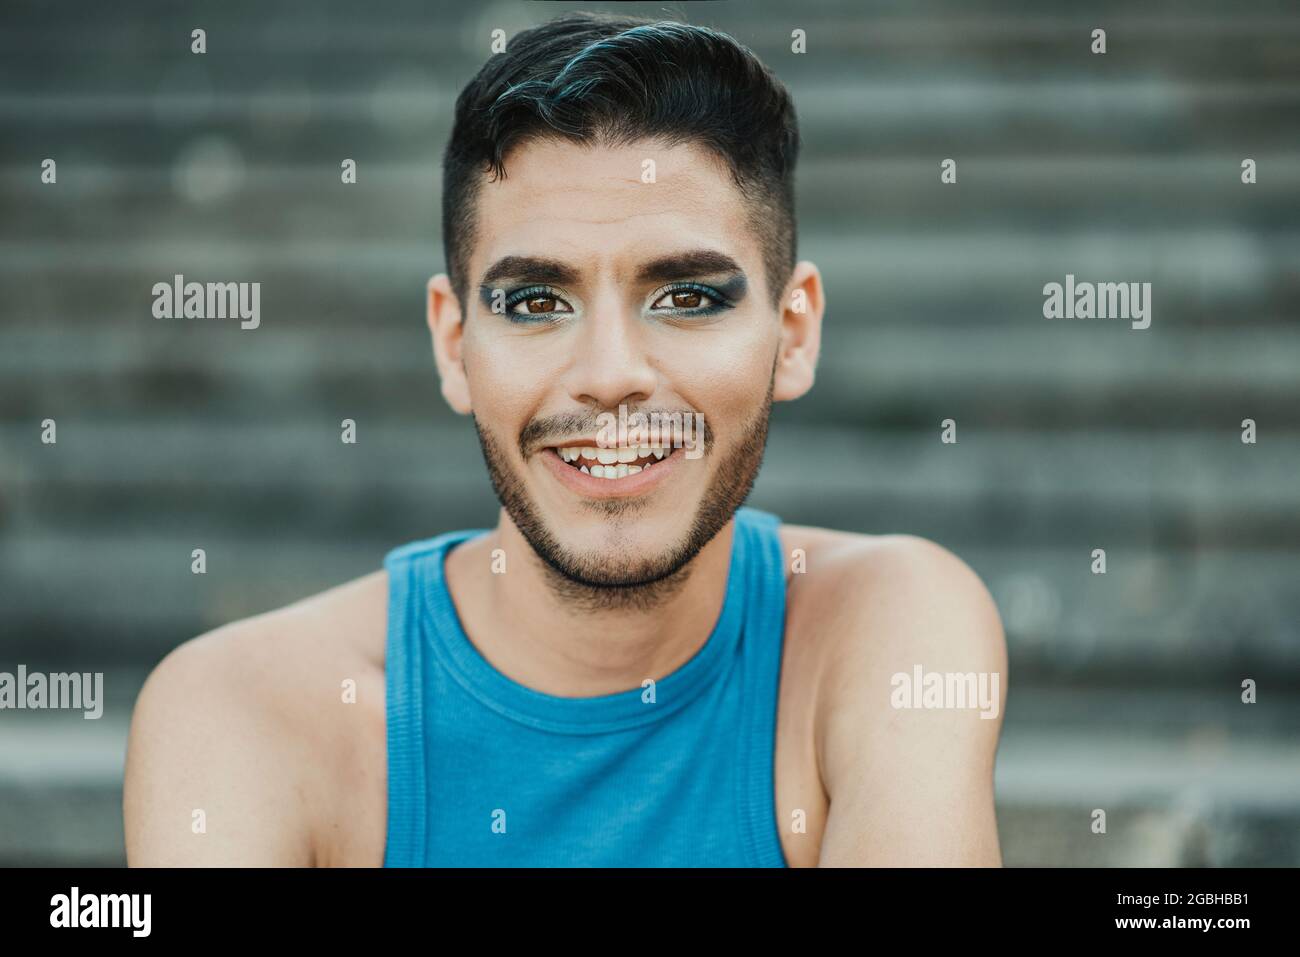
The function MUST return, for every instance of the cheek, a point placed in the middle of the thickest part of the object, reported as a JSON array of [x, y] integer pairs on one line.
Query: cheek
[[498, 382], [725, 375], [507, 379]]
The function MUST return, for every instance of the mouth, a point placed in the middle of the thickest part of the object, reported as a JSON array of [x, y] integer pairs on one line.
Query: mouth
[[610, 464], [595, 473]]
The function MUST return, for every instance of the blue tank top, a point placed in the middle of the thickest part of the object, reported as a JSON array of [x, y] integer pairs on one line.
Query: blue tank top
[[485, 772]]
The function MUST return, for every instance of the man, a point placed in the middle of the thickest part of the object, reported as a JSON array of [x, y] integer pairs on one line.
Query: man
[[631, 668]]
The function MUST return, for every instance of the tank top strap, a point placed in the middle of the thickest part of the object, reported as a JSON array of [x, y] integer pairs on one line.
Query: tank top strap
[[760, 659], [408, 572]]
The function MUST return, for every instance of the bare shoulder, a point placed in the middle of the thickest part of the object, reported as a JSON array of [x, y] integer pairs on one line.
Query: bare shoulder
[[870, 604], [910, 768], [237, 734], [895, 582]]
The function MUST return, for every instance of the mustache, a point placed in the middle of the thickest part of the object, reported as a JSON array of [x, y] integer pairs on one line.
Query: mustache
[[542, 432]]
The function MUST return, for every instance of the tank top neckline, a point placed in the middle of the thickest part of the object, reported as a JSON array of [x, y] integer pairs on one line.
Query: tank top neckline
[[599, 714]]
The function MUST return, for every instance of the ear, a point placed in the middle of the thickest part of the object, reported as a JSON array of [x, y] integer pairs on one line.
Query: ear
[[448, 337], [802, 307]]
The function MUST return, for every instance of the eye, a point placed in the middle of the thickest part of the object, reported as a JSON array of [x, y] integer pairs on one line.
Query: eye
[[537, 304], [540, 301], [690, 298], [686, 298]]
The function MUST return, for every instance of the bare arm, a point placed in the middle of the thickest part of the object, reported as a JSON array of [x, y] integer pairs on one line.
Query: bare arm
[[210, 769], [911, 786]]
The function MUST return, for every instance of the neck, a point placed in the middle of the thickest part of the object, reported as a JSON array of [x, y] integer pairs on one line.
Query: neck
[[549, 634]]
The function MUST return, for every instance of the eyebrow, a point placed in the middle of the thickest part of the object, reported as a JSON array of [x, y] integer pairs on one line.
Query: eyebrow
[[530, 269], [696, 262]]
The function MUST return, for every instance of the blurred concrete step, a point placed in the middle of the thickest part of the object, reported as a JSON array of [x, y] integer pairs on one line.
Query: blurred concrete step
[[1176, 835], [1186, 779]]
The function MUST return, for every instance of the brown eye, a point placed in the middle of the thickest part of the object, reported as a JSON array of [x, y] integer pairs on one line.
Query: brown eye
[[541, 304], [686, 299]]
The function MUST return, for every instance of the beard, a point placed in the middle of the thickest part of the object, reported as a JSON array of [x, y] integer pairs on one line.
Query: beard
[[601, 581]]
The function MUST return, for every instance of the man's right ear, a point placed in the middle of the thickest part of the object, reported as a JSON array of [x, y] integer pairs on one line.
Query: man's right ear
[[448, 333]]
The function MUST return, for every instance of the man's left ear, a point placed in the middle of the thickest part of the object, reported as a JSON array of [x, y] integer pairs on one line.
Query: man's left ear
[[801, 333]]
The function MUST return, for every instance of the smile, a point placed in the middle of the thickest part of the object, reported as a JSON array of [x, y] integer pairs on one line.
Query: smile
[[611, 463], [595, 473]]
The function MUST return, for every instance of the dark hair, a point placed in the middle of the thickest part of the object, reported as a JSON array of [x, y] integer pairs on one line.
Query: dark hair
[[592, 77]]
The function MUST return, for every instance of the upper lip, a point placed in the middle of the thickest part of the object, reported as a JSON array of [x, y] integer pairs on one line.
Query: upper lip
[[593, 444]]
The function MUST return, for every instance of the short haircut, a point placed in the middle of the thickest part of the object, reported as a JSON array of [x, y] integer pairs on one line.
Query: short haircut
[[595, 78]]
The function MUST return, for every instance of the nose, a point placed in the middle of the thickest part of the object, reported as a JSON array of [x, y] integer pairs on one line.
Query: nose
[[610, 365]]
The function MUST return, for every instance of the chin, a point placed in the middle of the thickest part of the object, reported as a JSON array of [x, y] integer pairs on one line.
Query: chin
[[640, 541]]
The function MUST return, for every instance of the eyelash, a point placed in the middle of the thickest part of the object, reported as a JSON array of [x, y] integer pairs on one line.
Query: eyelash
[[719, 302], [533, 292]]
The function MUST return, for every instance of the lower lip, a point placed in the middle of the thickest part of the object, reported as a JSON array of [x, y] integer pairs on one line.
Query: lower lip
[[593, 487]]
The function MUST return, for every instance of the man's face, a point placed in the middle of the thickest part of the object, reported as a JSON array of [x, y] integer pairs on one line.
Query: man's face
[[590, 289]]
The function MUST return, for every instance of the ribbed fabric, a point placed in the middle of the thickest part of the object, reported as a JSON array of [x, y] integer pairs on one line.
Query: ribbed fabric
[[484, 772]]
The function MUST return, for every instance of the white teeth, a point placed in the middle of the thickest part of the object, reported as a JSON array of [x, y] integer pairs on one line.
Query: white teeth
[[612, 456], [614, 463], [621, 470]]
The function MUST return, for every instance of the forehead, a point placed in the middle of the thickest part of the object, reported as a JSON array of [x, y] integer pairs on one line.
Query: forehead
[[589, 205]]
